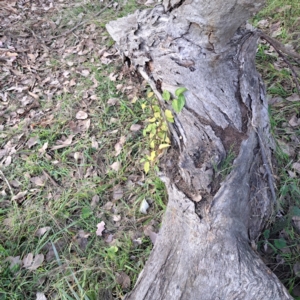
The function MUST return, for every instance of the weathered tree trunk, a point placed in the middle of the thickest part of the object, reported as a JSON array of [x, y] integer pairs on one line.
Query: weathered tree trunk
[[203, 250]]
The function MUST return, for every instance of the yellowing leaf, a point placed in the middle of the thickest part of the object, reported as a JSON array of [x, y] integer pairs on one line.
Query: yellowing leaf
[[150, 94], [152, 120], [146, 167], [157, 115], [168, 114], [143, 105], [152, 155], [163, 146], [152, 144]]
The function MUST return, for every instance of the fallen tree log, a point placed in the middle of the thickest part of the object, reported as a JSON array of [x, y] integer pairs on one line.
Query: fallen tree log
[[204, 246]]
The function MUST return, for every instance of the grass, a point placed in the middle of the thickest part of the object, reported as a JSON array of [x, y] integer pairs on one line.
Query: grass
[[70, 190], [62, 183], [280, 242]]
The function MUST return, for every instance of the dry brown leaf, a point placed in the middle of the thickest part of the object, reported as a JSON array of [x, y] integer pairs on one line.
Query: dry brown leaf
[[65, 143], [37, 262], [123, 279], [100, 228], [293, 98], [94, 143], [294, 121], [81, 115], [118, 148], [109, 238], [32, 141], [135, 127], [112, 101], [7, 161], [95, 201], [78, 156], [41, 231], [296, 167], [83, 125], [27, 260], [116, 166], [116, 218], [44, 148], [117, 192], [19, 196], [40, 296], [85, 73], [13, 261], [38, 180], [113, 76]]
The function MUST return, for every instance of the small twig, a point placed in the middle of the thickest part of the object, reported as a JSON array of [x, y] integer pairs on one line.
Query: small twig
[[4, 178], [279, 48], [83, 22], [50, 178]]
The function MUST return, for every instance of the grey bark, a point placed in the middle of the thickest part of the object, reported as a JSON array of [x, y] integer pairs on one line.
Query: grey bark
[[203, 250]]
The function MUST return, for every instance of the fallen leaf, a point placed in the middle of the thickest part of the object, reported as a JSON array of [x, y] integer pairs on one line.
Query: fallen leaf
[[296, 166], [117, 192], [32, 141], [144, 206], [37, 262], [44, 148], [81, 115], [78, 156], [123, 279], [41, 231], [100, 228], [13, 261], [85, 73], [94, 143], [118, 148], [294, 97], [95, 201], [39, 181], [112, 101], [294, 121], [64, 144], [108, 205], [109, 238], [151, 234], [116, 218], [135, 127], [116, 166], [19, 196], [27, 260], [7, 161], [40, 296]]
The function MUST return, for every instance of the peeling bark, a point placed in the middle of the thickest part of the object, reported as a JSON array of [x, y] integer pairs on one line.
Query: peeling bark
[[203, 249]]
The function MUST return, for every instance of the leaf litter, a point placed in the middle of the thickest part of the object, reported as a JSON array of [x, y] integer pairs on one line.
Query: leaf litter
[[58, 143]]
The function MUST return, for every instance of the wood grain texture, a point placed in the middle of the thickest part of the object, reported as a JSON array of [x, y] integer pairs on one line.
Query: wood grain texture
[[203, 249]]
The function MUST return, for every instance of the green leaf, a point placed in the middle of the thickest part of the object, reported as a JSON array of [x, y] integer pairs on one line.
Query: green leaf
[[146, 167], [295, 211], [86, 212], [166, 95], [180, 91], [267, 234], [178, 104], [279, 244]]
